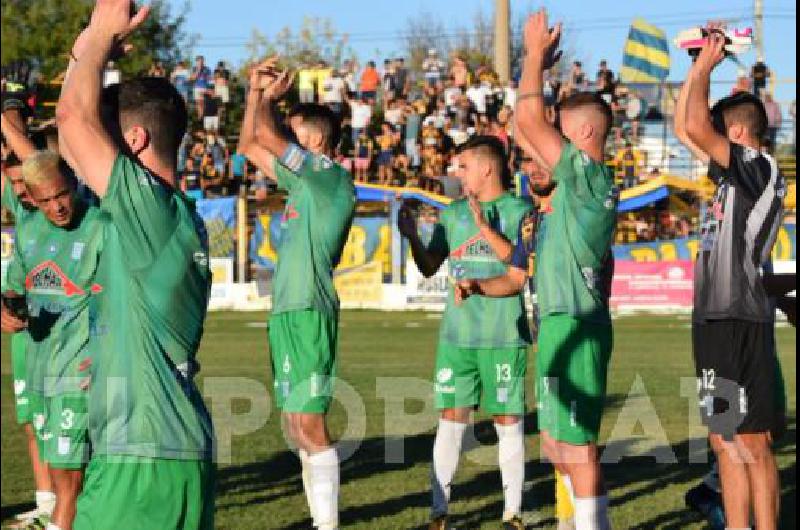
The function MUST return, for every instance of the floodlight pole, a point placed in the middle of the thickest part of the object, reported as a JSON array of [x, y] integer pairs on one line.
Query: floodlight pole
[[758, 17], [502, 46]]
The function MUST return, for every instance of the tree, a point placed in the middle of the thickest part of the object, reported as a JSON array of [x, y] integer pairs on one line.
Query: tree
[[41, 32], [316, 40]]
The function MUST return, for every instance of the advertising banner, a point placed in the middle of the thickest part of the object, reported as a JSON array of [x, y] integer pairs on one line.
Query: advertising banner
[[656, 285]]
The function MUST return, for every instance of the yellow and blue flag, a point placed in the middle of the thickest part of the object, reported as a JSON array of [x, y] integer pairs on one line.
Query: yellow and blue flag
[[646, 55]]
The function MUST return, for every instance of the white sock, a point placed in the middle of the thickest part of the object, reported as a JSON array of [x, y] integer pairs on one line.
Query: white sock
[[324, 467], [446, 452], [306, 474], [45, 500], [571, 490], [591, 513], [511, 456], [51, 526]]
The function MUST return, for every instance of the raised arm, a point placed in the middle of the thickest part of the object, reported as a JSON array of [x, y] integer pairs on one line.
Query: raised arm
[[699, 127], [428, 261], [14, 133], [537, 136], [680, 120], [268, 131], [83, 140], [248, 146]]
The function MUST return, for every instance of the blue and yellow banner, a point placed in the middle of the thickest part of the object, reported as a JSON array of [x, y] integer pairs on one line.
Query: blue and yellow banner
[[646, 55], [369, 240], [686, 249]]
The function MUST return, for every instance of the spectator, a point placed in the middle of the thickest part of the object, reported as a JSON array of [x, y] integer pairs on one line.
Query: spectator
[[210, 106], [345, 151], [218, 150], [478, 95], [451, 95], [628, 164], [370, 80], [393, 113], [157, 70], [238, 172], [222, 78], [510, 94], [635, 110], [212, 181], [388, 82], [111, 75], [385, 160], [324, 72], [551, 88], [742, 82], [334, 91], [460, 73], [759, 73], [400, 77], [361, 114], [793, 114], [413, 124], [604, 75], [201, 80], [363, 150], [432, 66], [578, 79], [190, 180], [306, 78], [774, 120], [350, 68], [180, 78]]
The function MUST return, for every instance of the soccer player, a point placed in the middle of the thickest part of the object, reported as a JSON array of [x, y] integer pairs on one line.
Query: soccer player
[[15, 198], [151, 435], [303, 327], [735, 359], [56, 257], [573, 269], [481, 358]]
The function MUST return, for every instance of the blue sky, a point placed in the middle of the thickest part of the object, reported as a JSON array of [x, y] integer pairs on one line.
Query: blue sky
[[597, 29]]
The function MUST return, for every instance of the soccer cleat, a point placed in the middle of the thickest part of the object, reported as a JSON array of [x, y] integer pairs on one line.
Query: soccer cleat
[[439, 523], [514, 524], [32, 514], [708, 503]]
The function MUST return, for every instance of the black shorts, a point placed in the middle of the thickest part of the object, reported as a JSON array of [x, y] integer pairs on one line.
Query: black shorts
[[738, 378]]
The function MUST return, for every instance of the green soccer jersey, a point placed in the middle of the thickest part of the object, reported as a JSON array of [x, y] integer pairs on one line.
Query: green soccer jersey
[[480, 322], [58, 266], [147, 321], [573, 241], [314, 227]]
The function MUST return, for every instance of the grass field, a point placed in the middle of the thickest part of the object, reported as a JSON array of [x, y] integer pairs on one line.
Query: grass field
[[261, 486]]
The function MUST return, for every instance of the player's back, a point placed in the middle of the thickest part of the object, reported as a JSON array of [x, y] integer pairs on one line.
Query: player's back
[[314, 228], [148, 318]]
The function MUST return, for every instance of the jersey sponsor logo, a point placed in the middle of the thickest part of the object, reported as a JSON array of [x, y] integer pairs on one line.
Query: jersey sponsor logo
[[48, 278], [444, 375], [287, 366], [63, 445], [474, 248], [77, 250], [19, 386], [201, 259], [502, 395]]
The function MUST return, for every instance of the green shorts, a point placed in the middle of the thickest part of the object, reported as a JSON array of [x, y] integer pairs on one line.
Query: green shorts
[[303, 351], [67, 424], [38, 407], [20, 374], [137, 493], [571, 372], [491, 377]]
